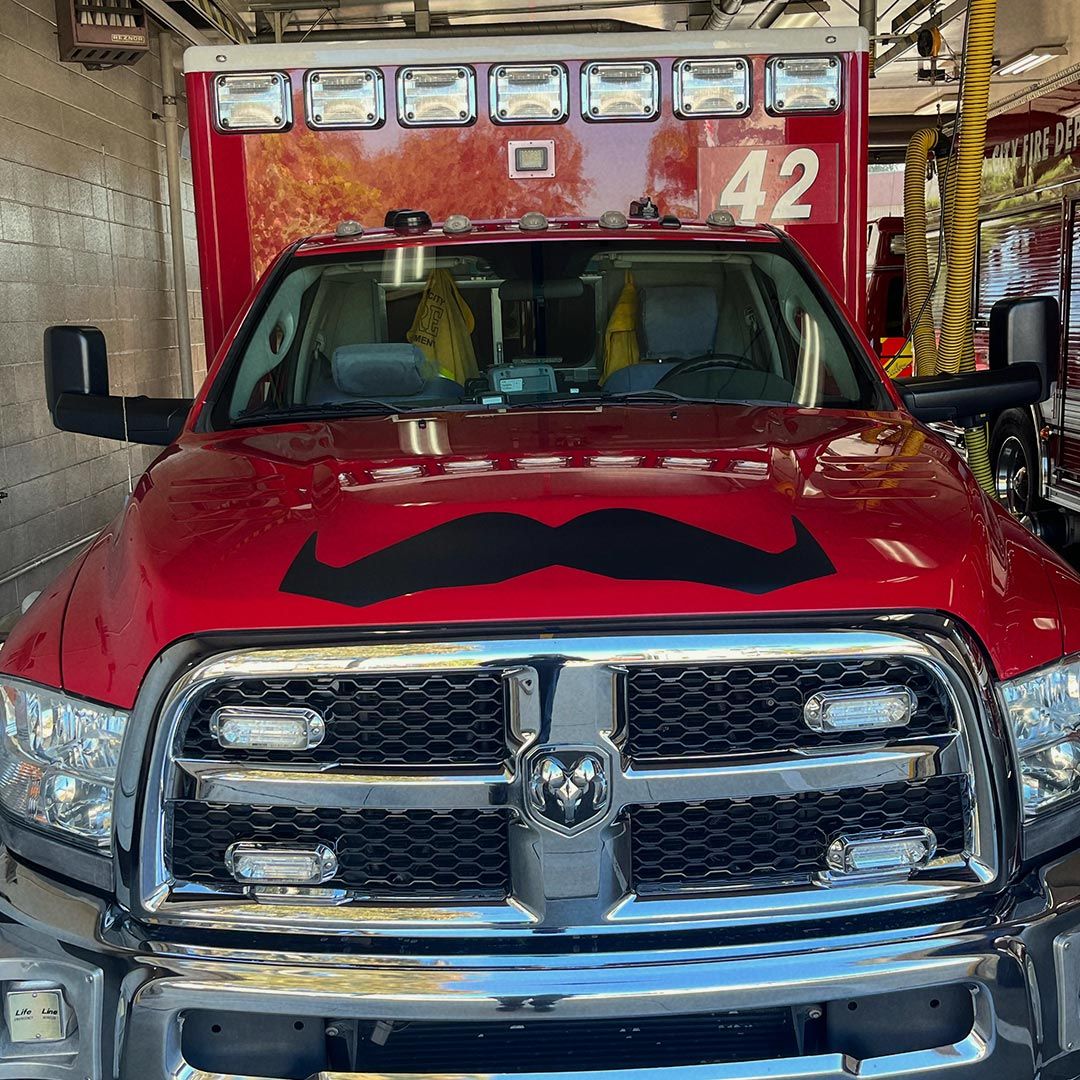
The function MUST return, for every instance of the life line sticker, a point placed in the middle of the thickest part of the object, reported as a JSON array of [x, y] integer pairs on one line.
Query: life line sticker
[[783, 185]]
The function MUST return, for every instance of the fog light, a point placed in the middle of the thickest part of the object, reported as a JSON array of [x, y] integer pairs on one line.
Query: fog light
[[239, 727], [266, 864], [859, 710], [36, 1015], [901, 851]]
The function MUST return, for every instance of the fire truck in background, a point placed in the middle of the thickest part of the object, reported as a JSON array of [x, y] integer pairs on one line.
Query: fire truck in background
[[1028, 243], [548, 646]]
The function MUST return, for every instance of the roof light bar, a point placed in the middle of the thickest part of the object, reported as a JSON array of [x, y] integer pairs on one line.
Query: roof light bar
[[620, 91], [719, 87], [436, 96], [529, 94], [798, 84], [345, 98], [255, 102]]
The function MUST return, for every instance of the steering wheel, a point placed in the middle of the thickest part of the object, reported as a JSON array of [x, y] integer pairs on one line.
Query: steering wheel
[[698, 364]]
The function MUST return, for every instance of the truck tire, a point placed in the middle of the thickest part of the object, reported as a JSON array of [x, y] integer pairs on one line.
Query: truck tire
[[1014, 458]]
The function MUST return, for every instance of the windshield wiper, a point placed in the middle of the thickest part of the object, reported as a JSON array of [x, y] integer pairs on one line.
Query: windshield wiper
[[359, 407]]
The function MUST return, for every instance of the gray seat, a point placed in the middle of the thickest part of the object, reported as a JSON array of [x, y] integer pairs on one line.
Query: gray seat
[[675, 323], [678, 322], [394, 372]]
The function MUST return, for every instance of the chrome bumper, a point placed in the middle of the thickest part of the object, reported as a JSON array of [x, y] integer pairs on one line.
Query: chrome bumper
[[1026, 1009]]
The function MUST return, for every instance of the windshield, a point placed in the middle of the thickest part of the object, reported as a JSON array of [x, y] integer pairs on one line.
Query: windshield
[[541, 323]]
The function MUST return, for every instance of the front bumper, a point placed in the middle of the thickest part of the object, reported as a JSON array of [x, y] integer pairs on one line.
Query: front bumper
[[131, 994]]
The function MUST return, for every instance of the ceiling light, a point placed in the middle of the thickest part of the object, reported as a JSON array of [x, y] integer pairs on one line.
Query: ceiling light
[[1032, 59], [801, 13]]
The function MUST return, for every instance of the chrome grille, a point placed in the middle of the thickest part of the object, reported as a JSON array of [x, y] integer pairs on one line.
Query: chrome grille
[[418, 854], [675, 712], [670, 831], [413, 718], [728, 841]]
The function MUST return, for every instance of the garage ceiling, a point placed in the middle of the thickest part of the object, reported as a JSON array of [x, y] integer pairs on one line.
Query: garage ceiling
[[898, 91]]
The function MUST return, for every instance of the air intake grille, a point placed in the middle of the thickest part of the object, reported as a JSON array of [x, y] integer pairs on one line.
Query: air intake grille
[[413, 718], [676, 712], [407, 854], [727, 841]]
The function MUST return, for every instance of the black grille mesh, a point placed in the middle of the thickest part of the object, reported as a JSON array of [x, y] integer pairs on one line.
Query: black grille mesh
[[720, 710], [413, 718], [727, 841], [393, 853]]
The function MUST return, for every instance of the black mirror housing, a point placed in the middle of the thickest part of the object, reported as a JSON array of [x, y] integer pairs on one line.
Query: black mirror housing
[[76, 362], [77, 393], [1027, 331], [963, 399]]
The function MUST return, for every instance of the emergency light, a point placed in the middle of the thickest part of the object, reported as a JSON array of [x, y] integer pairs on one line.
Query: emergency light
[[529, 93], [629, 91], [895, 852], [268, 864], [267, 727], [712, 87], [345, 99], [436, 97], [802, 84], [861, 710], [258, 102]]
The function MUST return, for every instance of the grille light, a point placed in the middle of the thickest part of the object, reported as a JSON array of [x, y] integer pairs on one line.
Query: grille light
[[240, 727], [436, 97], [622, 91], [253, 102], [803, 84], [712, 87], [529, 93], [859, 710], [345, 99], [898, 852], [266, 864]]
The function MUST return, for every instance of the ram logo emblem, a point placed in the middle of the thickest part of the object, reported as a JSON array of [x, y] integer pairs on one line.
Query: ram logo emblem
[[568, 790]]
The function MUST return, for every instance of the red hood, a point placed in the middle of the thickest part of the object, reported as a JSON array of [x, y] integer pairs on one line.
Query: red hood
[[882, 517]]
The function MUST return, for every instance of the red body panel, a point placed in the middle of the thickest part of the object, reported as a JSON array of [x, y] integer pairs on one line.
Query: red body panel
[[218, 519], [254, 193]]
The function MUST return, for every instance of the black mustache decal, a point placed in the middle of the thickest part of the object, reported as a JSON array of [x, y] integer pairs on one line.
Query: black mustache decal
[[484, 549]]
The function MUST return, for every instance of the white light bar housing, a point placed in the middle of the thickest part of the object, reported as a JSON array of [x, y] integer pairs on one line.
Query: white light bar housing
[[859, 710], [801, 84], [436, 96], [345, 98], [896, 852], [718, 87], [261, 101], [529, 93], [620, 91], [269, 864], [266, 727]]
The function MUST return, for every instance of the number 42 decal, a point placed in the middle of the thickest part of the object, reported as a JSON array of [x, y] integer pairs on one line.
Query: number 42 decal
[[789, 190]]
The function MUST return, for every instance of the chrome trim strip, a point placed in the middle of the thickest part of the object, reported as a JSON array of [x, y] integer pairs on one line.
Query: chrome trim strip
[[580, 708], [266, 785]]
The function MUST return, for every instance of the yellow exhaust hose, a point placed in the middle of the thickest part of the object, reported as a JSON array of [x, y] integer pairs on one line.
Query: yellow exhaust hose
[[916, 259], [955, 349]]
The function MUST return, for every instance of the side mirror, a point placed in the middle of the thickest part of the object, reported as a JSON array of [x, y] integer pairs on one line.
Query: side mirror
[[1027, 331], [77, 393], [962, 399]]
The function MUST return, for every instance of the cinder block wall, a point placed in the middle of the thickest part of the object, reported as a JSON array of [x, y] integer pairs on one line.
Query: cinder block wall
[[83, 238]]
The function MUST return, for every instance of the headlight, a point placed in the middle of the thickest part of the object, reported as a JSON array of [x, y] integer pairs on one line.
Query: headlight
[[1044, 720], [58, 761]]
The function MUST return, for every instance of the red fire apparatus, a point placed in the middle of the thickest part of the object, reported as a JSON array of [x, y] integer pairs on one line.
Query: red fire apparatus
[[1027, 239], [548, 645]]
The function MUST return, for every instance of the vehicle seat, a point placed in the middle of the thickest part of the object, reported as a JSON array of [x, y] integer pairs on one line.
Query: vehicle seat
[[389, 371], [678, 322]]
